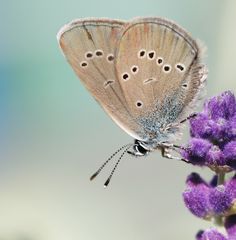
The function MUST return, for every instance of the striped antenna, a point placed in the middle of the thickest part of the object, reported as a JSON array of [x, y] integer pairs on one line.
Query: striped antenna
[[113, 170], [105, 163]]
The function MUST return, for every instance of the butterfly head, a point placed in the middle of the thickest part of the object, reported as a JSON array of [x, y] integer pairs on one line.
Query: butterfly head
[[140, 149]]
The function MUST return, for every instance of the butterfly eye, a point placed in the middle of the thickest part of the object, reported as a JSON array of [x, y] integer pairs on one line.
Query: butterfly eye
[[84, 64], [99, 53], [134, 69], [142, 53], [180, 67], [166, 68], [88, 55], [159, 61], [125, 76], [139, 104], [151, 55], [110, 57]]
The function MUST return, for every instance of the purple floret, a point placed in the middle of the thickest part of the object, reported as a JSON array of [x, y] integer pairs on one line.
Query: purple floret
[[196, 196], [199, 126], [197, 150], [231, 129], [230, 186], [204, 127], [223, 106], [220, 199], [230, 154], [195, 179], [215, 156]]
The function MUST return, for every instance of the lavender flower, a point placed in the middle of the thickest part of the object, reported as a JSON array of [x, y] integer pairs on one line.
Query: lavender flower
[[213, 133], [213, 144]]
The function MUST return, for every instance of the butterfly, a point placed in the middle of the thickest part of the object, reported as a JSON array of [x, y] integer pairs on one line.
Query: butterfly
[[147, 74]]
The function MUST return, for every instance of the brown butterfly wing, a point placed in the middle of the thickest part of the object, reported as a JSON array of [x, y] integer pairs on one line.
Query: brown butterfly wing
[[159, 70], [89, 46]]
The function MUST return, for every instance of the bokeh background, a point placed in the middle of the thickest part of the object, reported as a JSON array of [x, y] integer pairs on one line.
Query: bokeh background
[[53, 135]]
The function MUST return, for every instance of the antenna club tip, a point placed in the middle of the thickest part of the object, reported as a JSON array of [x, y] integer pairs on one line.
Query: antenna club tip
[[93, 176], [106, 183]]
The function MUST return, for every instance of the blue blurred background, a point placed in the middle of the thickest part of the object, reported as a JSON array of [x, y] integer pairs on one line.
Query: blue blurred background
[[53, 135]]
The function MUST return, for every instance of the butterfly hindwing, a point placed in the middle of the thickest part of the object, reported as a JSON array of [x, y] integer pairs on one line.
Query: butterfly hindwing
[[158, 67]]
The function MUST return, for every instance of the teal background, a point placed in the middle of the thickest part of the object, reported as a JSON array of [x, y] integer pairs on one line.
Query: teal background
[[53, 135]]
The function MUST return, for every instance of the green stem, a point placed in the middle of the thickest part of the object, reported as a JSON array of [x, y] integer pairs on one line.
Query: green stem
[[220, 178], [218, 220]]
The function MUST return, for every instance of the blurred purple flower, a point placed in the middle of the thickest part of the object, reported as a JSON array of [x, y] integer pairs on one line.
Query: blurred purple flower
[[214, 234], [213, 133], [210, 234], [230, 226]]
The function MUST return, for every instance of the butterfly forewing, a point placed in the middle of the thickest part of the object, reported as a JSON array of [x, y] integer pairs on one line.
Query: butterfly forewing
[[158, 68], [89, 46]]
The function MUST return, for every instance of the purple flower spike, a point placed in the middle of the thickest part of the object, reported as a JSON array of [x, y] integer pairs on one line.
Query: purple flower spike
[[220, 199], [230, 225], [213, 144], [196, 151], [223, 106], [210, 234], [230, 154], [196, 196]]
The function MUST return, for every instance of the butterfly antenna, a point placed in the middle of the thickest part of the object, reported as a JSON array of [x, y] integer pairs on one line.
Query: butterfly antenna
[[113, 170], [105, 163]]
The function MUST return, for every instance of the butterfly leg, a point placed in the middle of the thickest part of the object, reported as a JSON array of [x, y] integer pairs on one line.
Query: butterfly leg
[[165, 151], [176, 125], [193, 115]]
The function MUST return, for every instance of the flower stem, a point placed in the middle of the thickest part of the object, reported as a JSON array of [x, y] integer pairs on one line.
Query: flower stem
[[220, 178], [218, 220]]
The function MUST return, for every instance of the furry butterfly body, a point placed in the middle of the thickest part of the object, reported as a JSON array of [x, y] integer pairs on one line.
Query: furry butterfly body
[[146, 74]]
